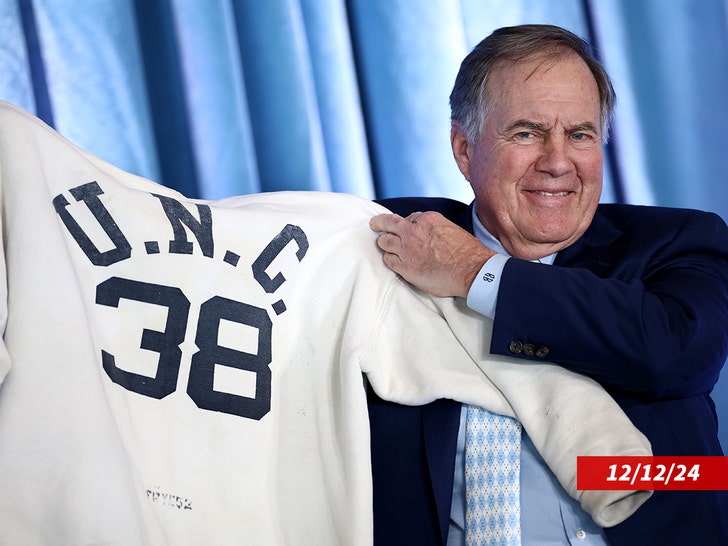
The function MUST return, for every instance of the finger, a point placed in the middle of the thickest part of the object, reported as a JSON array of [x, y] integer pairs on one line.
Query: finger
[[385, 222], [389, 242], [414, 217], [392, 261]]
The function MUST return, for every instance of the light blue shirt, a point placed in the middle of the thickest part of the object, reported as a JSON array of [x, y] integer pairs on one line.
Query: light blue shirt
[[549, 516]]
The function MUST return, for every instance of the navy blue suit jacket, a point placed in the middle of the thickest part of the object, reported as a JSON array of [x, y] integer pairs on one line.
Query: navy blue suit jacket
[[640, 303]]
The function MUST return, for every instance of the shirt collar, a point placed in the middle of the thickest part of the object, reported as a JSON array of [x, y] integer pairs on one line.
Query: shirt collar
[[494, 244]]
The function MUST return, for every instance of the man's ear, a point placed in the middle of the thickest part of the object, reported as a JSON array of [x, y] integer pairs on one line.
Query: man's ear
[[460, 148]]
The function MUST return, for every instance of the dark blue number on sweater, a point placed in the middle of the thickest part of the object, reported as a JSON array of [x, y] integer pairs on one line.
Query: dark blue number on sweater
[[200, 384]]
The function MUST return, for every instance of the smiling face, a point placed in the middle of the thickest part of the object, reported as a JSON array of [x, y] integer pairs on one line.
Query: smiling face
[[536, 169]]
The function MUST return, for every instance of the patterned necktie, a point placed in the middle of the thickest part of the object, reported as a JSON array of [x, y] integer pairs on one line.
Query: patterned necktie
[[492, 471]]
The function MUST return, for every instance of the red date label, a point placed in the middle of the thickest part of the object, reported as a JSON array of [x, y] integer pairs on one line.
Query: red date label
[[651, 473]]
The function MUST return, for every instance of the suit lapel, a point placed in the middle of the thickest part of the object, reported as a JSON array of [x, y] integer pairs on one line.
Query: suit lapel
[[440, 424], [465, 219], [597, 250]]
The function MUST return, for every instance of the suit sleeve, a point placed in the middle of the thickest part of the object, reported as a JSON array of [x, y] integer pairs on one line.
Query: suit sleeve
[[655, 324]]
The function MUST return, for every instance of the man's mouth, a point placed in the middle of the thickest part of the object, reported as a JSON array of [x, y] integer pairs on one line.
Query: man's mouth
[[550, 193]]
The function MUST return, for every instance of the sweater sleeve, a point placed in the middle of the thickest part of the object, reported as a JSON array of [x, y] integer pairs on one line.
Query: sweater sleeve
[[423, 348]]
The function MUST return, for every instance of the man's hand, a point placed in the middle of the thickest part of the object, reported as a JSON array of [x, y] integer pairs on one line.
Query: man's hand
[[430, 252]]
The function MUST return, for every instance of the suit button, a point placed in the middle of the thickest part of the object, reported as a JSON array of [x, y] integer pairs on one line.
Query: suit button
[[528, 349], [542, 352], [515, 346]]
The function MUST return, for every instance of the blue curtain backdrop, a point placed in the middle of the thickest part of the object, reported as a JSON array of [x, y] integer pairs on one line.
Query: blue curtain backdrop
[[224, 97]]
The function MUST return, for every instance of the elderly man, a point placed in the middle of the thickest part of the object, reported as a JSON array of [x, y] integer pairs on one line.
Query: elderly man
[[635, 297]]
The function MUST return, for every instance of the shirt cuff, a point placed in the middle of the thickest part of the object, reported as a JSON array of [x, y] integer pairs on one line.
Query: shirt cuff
[[483, 293]]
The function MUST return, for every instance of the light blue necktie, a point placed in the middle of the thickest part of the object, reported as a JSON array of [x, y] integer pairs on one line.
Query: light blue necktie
[[492, 472]]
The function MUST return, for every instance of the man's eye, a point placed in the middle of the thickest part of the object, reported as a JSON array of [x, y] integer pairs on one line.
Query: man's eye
[[580, 136], [524, 134]]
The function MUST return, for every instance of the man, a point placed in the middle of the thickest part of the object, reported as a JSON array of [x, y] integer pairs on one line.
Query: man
[[635, 297]]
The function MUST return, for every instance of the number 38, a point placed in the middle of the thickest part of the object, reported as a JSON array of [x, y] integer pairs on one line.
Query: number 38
[[200, 386]]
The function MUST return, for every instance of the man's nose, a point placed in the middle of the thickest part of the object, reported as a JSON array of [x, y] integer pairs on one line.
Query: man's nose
[[554, 157]]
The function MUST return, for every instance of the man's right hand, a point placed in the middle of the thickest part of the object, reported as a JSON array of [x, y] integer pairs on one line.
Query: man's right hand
[[431, 252]]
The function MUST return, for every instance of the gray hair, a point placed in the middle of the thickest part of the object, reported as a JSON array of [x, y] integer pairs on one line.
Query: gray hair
[[469, 101]]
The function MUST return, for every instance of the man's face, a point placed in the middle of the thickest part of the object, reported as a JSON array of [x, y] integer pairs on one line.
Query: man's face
[[537, 168]]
